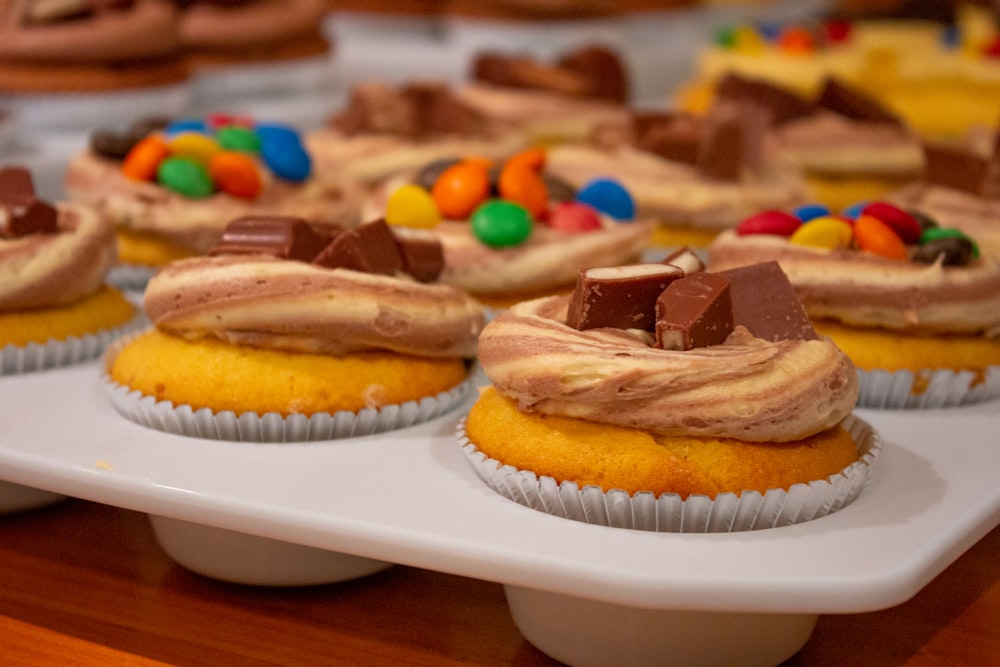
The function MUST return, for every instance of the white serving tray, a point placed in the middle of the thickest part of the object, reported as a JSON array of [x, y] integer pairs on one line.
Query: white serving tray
[[410, 497]]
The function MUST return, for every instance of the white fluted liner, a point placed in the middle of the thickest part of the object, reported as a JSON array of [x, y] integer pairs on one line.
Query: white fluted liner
[[131, 276], [928, 389], [272, 426], [728, 512], [32, 357]]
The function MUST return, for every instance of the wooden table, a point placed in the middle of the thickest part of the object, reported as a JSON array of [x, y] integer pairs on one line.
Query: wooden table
[[86, 584]]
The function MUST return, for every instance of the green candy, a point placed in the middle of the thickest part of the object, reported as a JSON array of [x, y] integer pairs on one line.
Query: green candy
[[241, 139], [500, 224], [186, 177], [935, 233]]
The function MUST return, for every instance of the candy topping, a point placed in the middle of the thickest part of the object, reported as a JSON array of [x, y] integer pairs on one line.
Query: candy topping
[[501, 224], [22, 213]]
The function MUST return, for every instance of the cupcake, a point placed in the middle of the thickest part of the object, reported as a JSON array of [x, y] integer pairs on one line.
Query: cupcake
[[290, 332], [550, 103], [914, 304], [385, 130], [695, 175], [171, 187], [55, 307], [669, 398], [247, 48], [78, 62], [510, 231]]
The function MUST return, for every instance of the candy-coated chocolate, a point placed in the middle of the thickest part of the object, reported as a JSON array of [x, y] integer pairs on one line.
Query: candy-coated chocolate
[[186, 125], [797, 40], [411, 206], [874, 236], [530, 158], [571, 216], [523, 185], [951, 251], [924, 220], [430, 172], [285, 155], [823, 232], [236, 173], [932, 234], [807, 212], [854, 210], [235, 138], [140, 164], [185, 176], [194, 145], [461, 188], [499, 224], [903, 223], [609, 197], [779, 223]]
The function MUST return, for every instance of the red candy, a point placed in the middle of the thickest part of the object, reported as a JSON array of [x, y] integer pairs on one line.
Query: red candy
[[874, 236], [778, 223], [571, 216], [901, 222]]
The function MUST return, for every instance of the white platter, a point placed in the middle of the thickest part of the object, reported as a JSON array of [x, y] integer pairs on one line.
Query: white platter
[[411, 497]]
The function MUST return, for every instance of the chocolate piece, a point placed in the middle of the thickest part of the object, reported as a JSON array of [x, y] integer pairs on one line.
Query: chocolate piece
[[437, 111], [370, 248], [591, 72], [116, 145], [673, 136], [782, 105], [623, 297], [765, 302], [956, 168], [421, 252], [559, 190], [720, 155], [686, 260], [414, 111], [603, 71], [695, 311], [21, 212], [846, 101], [279, 236]]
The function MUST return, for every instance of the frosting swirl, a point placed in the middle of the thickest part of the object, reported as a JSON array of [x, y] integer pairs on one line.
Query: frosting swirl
[[863, 289], [747, 388], [288, 305], [43, 270]]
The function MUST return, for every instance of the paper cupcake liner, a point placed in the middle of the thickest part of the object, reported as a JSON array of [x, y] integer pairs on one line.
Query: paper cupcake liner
[[15, 359], [272, 426], [87, 110], [926, 389], [728, 512], [130, 276]]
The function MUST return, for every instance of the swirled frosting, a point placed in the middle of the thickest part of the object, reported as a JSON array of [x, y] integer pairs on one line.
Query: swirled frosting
[[746, 388], [44, 270], [977, 216], [288, 305], [236, 23], [328, 197], [863, 289]]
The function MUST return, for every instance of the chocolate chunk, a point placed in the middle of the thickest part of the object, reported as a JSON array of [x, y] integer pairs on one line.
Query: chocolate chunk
[[438, 111], [370, 248], [854, 104], [623, 297], [116, 145], [782, 105], [954, 251], [672, 136], [956, 168], [422, 253], [279, 236], [720, 155], [559, 190], [21, 212], [414, 111], [765, 302], [695, 311], [686, 260], [603, 71]]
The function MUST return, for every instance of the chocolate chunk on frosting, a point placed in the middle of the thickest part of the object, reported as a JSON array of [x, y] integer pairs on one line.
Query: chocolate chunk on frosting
[[957, 168], [22, 213], [853, 104], [765, 302], [369, 248], [414, 110], [623, 297], [782, 105], [695, 311], [589, 72], [279, 236]]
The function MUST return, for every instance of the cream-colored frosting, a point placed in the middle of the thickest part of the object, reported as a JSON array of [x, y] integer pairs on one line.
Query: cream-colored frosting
[[144, 30], [863, 289], [44, 270], [288, 305], [979, 217], [207, 25], [327, 197], [746, 388], [677, 193]]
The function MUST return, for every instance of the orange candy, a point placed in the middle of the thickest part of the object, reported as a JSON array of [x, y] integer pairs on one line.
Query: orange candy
[[461, 188], [530, 158], [874, 236], [525, 187], [141, 163], [236, 173]]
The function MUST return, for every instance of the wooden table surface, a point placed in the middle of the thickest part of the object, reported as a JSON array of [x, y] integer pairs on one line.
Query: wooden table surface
[[86, 584]]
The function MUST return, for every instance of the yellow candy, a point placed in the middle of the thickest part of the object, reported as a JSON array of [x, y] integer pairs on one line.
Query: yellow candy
[[824, 232], [412, 206], [747, 41], [194, 145]]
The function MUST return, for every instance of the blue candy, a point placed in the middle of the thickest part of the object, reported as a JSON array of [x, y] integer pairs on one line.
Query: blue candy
[[854, 210], [807, 212], [187, 125], [609, 197], [283, 152]]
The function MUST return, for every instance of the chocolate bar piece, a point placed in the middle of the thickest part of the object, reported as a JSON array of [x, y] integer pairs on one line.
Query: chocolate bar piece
[[956, 168], [286, 237], [782, 105], [846, 101], [422, 253], [370, 248], [623, 297], [720, 155], [673, 136], [695, 311], [21, 212], [765, 302], [686, 260]]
